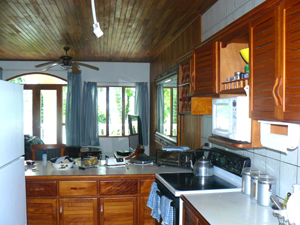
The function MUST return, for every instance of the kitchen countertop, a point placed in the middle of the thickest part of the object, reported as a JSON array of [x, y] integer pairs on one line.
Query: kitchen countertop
[[231, 208], [131, 169]]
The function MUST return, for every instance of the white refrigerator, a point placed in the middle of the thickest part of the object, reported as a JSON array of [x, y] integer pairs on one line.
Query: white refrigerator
[[12, 173]]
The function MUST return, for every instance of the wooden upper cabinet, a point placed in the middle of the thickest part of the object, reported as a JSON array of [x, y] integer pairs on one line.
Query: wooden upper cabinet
[[206, 70], [264, 53], [290, 105], [275, 56]]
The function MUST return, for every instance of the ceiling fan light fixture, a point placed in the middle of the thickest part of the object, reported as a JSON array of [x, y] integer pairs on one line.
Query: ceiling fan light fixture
[[65, 67], [97, 30]]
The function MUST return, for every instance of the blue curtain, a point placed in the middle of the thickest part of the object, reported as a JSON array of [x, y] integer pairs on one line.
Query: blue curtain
[[141, 108], [73, 109], [89, 123], [1, 71], [160, 108]]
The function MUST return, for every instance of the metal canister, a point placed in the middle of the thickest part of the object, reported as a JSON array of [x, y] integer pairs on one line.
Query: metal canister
[[254, 183], [246, 180], [266, 188]]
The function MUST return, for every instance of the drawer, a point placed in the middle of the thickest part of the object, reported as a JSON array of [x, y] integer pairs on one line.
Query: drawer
[[40, 188], [146, 186], [119, 187], [77, 188]]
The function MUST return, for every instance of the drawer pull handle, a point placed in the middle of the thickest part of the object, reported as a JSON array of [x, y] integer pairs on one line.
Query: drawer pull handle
[[77, 188], [37, 189]]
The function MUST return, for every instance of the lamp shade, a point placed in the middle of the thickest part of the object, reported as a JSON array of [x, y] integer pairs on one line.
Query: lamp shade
[[245, 54]]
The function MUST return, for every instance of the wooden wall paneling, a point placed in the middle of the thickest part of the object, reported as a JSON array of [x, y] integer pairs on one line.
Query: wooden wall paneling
[[184, 43], [191, 133]]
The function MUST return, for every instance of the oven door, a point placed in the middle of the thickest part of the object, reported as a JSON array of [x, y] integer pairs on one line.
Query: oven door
[[164, 191]]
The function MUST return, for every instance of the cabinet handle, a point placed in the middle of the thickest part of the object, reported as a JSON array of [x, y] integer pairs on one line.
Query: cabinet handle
[[60, 209], [101, 208], [192, 80], [37, 189], [77, 188], [275, 92]]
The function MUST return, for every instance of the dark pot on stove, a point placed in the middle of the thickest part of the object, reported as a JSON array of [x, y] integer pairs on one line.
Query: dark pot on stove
[[203, 167]]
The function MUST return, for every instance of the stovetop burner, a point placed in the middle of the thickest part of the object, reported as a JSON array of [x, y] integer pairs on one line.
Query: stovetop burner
[[188, 181]]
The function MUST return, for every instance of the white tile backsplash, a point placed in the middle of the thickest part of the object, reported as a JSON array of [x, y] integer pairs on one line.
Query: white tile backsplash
[[206, 126], [229, 4], [287, 178], [273, 169], [259, 162], [290, 157], [273, 154], [239, 3]]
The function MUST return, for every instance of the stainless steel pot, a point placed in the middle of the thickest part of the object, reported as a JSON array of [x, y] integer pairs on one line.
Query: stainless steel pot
[[203, 167]]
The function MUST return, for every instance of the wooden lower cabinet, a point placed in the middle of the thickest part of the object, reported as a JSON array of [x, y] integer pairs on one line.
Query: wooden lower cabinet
[[118, 211], [89, 200], [78, 211], [41, 211], [190, 216], [144, 212]]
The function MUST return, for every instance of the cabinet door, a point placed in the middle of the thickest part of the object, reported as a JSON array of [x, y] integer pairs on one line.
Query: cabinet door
[[206, 69], [78, 211], [118, 211], [145, 217], [41, 211], [191, 216], [291, 46], [264, 53]]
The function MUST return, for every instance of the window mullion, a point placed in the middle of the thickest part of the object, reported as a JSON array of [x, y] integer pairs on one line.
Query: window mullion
[[123, 111], [107, 111], [171, 112]]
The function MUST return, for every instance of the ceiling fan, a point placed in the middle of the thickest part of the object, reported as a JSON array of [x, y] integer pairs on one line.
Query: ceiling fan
[[66, 63]]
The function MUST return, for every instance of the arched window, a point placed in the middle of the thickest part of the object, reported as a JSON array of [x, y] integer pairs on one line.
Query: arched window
[[44, 106]]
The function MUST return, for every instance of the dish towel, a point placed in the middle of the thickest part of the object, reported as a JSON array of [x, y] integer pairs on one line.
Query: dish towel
[[166, 211], [154, 202]]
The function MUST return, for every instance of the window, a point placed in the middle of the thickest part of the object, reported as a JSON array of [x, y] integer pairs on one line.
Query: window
[[114, 106], [170, 111]]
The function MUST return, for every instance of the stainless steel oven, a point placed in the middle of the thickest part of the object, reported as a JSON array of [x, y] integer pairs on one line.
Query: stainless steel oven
[[227, 178]]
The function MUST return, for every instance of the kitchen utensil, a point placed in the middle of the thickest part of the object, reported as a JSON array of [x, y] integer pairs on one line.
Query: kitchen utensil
[[276, 202], [266, 188], [292, 208], [246, 179], [203, 167]]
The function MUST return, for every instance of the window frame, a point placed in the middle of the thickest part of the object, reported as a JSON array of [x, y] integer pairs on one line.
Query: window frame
[[107, 110]]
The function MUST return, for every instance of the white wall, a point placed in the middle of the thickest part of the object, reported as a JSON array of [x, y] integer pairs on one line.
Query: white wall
[[286, 167], [110, 73]]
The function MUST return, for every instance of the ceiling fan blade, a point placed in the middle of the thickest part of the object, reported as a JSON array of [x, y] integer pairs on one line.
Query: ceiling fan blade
[[45, 64], [48, 67], [75, 68], [87, 65]]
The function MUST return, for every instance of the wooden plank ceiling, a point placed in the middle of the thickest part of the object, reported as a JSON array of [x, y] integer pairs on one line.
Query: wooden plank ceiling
[[134, 30]]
